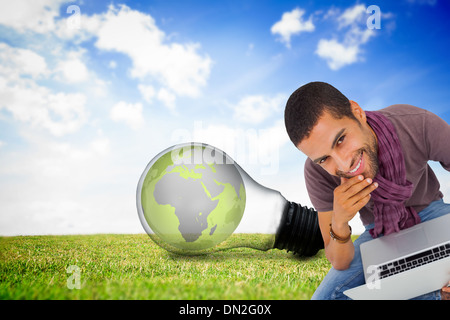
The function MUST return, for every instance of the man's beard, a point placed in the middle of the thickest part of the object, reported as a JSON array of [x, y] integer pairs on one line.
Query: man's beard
[[373, 160], [372, 157]]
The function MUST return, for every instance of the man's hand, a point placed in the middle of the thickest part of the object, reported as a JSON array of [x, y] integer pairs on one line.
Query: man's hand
[[351, 196], [445, 292]]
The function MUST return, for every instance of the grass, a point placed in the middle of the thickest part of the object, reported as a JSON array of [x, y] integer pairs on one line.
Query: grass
[[116, 266]]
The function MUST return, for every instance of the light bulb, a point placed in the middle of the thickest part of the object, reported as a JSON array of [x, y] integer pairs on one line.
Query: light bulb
[[191, 197]]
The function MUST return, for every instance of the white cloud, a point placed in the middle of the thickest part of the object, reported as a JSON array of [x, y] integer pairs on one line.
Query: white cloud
[[255, 109], [112, 64], [76, 26], [16, 62], [58, 113], [100, 146], [73, 69], [147, 91], [68, 109], [176, 67], [32, 104], [337, 53], [23, 15], [167, 98], [331, 13], [129, 113], [292, 23], [352, 15]]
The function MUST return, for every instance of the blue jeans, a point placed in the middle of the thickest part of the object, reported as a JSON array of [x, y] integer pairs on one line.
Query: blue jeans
[[337, 281]]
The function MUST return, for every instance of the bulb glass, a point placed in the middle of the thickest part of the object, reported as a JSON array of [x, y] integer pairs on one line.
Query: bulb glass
[[191, 197]]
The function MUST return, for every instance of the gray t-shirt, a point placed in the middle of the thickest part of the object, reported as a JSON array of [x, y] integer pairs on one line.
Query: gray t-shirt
[[423, 137]]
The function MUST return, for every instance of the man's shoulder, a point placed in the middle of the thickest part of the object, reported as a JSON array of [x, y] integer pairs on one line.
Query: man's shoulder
[[406, 117], [401, 110]]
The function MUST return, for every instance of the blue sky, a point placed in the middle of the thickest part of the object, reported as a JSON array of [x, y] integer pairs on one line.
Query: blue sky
[[90, 91]]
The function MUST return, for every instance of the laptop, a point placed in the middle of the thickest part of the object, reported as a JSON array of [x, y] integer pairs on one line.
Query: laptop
[[406, 264]]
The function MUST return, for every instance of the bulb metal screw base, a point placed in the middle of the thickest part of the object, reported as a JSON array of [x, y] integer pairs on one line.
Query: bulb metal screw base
[[299, 231]]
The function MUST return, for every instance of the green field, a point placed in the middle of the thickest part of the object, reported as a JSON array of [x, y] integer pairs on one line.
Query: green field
[[116, 266]]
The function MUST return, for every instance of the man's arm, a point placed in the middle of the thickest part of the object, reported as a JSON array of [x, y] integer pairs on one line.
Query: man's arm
[[352, 195], [340, 255], [437, 135]]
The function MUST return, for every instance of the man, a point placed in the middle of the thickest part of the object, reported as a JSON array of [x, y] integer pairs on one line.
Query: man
[[374, 163]]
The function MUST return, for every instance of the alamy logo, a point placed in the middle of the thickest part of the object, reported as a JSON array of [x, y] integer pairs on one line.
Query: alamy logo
[[374, 20], [74, 281], [373, 280]]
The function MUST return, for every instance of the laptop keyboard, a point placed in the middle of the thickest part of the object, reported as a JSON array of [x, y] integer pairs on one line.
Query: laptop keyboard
[[414, 261]]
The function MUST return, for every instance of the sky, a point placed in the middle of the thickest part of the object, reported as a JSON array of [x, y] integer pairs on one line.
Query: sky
[[91, 91]]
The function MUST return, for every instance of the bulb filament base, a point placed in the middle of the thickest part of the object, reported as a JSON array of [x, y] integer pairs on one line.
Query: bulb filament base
[[299, 231]]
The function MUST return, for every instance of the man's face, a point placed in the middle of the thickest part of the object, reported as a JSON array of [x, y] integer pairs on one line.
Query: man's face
[[343, 147]]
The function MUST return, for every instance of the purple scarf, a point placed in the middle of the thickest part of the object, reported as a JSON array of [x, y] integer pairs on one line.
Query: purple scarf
[[393, 190]]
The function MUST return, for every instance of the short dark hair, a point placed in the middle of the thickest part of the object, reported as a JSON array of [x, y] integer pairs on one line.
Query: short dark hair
[[307, 104]]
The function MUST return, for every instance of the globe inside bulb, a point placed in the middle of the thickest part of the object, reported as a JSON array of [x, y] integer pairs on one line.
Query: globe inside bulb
[[191, 197]]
